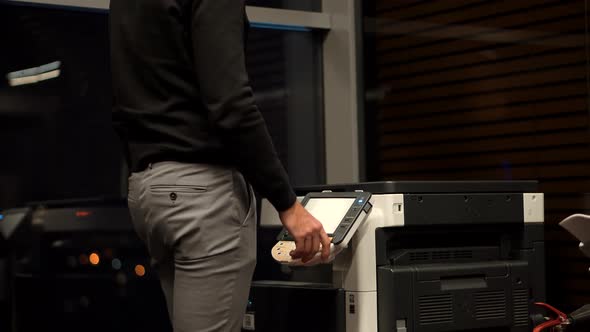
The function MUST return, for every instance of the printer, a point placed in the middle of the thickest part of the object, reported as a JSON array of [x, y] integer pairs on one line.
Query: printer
[[428, 256]]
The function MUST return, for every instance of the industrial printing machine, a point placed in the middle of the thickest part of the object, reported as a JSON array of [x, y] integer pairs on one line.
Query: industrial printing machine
[[425, 257]]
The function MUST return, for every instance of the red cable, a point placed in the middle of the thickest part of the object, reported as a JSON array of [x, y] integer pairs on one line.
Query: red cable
[[561, 317], [550, 323], [551, 308]]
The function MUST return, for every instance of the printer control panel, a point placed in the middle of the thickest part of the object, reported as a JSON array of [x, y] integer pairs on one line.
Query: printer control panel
[[338, 212]]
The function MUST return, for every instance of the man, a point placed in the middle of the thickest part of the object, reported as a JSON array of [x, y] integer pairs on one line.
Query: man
[[195, 141]]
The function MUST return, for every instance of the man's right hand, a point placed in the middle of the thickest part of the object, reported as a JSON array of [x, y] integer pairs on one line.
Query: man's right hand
[[307, 231]]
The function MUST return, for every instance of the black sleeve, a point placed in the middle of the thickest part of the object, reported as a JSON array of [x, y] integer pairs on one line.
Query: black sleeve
[[217, 33]]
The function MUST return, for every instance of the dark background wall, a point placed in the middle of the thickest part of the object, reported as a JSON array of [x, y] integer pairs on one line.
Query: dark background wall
[[472, 90], [56, 139]]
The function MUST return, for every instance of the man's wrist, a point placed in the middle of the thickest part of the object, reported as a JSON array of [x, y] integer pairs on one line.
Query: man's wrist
[[290, 210], [286, 202]]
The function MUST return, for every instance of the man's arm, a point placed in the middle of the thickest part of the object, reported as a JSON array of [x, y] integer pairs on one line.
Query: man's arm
[[217, 32]]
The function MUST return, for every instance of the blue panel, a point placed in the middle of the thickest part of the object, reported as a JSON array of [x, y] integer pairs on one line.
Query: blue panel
[[280, 27]]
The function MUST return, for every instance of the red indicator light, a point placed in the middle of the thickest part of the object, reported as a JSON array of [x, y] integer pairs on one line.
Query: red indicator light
[[83, 213]]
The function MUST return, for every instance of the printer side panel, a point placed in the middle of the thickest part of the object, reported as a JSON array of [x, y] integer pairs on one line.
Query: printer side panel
[[478, 266]]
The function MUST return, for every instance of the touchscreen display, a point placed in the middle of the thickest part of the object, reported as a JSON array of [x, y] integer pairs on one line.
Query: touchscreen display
[[329, 211]]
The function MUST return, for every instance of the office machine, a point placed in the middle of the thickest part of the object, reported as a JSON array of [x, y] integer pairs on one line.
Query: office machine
[[84, 269], [12, 224], [429, 256]]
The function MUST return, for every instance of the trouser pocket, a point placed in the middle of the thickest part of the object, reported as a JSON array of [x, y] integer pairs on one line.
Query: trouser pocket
[[245, 201], [191, 210]]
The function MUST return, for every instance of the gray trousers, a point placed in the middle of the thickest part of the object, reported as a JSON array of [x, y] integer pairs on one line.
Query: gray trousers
[[199, 224]]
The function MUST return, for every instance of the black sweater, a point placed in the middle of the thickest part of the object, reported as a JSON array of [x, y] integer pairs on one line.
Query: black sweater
[[181, 91]]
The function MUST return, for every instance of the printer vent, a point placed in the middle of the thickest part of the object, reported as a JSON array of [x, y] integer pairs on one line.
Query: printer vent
[[490, 305], [435, 309], [521, 307], [440, 255], [463, 254], [419, 256]]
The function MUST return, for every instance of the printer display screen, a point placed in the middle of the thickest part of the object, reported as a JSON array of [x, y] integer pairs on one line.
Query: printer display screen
[[329, 211]]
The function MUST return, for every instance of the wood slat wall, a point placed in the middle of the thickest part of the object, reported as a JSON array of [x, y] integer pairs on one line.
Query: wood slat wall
[[480, 90]]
